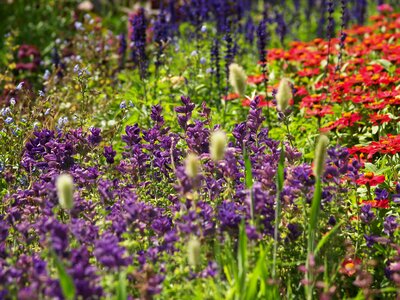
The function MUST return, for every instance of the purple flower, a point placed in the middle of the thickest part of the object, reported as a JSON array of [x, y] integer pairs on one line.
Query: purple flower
[[108, 252], [366, 214], [228, 215], [390, 225], [109, 154], [95, 137], [86, 281], [381, 194]]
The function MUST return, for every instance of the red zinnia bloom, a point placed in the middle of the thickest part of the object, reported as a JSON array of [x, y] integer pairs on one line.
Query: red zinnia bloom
[[349, 266], [379, 119], [319, 111], [255, 79], [263, 102], [377, 203], [371, 179], [231, 96]]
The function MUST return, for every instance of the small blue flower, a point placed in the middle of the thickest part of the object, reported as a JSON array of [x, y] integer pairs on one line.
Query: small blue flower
[[78, 26], [9, 120], [12, 101], [76, 68], [19, 86], [203, 28], [122, 105], [203, 60], [46, 75], [41, 93], [5, 111], [194, 53]]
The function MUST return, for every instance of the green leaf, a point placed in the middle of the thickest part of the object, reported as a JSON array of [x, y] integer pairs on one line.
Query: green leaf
[[66, 282], [242, 259], [121, 289], [327, 236], [248, 171]]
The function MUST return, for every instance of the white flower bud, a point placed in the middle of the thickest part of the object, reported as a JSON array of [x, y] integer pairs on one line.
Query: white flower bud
[[218, 144], [283, 95], [237, 78], [194, 248], [65, 191], [320, 155], [192, 165]]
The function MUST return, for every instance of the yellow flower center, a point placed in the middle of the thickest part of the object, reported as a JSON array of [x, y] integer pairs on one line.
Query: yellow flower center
[[369, 175]]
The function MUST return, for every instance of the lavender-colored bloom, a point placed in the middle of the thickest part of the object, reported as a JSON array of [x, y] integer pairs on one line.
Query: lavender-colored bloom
[[396, 197], [228, 215], [215, 59], [109, 154], [366, 214], [86, 282], [109, 253], [184, 112], [360, 10], [138, 39], [94, 138], [370, 240], [390, 225], [294, 231], [381, 194], [229, 55], [250, 29], [161, 35], [281, 28], [262, 41]]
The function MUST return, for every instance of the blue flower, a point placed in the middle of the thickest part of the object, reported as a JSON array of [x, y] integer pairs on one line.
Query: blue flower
[[9, 120]]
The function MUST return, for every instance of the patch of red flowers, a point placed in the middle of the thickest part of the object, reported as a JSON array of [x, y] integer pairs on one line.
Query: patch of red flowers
[[386, 145], [377, 203], [370, 179], [348, 119]]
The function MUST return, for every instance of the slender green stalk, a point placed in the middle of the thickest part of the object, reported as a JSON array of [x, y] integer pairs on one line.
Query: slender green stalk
[[278, 207]]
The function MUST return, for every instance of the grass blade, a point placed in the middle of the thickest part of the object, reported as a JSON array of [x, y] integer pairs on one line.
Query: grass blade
[[66, 282], [279, 186]]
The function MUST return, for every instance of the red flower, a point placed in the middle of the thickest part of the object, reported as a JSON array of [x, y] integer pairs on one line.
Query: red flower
[[255, 79], [377, 203], [319, 111], [371, 179], [348, 119], [379, 119], [263, 102], [349, 266], [231, 96]]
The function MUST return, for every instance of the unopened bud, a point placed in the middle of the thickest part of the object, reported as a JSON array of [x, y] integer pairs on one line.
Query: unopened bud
[[192, 165], [218, 144], [283, 95], [65, 191], [237, 78], [320, 155], [194, 251]]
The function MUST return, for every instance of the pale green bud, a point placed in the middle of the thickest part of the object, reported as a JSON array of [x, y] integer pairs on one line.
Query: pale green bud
[[237, 78], [65, 191], [320, 155], [218, 144], [193, 249], [283, 95], [192, 165]]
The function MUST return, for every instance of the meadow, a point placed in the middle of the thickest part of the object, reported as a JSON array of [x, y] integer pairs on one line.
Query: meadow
[[200, 149]]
